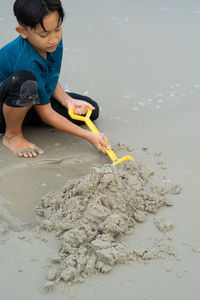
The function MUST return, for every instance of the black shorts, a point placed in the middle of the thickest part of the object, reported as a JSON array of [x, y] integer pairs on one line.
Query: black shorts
[[21, 90]]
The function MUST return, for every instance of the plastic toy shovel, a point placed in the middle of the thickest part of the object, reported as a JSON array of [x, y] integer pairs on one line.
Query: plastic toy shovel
[[93, 128]]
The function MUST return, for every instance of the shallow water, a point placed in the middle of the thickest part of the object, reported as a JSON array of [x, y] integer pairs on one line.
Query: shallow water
[[24, 184]]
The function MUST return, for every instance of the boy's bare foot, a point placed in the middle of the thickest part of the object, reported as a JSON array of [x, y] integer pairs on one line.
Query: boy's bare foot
[[21, 147]]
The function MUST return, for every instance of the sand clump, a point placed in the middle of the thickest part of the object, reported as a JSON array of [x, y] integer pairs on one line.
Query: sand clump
[[163, 224], [91, 213]]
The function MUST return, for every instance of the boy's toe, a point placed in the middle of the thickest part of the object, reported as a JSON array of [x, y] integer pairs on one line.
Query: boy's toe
[[38, 150], [29, 152], [22, 153], [19, 153]]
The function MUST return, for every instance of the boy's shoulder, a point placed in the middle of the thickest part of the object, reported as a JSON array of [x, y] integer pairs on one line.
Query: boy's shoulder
[[13, 46], [10, 56]]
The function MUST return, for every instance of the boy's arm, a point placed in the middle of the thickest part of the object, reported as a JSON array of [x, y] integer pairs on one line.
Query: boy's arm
[[79, 106], [51, 117]]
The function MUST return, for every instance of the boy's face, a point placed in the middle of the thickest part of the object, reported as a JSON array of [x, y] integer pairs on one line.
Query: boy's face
[[45, 41]]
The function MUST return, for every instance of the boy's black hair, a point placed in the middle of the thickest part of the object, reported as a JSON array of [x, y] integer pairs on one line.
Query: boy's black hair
[[32, 12]]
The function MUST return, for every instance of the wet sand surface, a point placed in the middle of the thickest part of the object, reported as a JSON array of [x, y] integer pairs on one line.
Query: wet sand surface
[[140, 61]]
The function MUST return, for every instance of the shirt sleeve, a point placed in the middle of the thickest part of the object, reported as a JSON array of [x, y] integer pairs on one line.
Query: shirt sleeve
[[6, 65], [38, 70]]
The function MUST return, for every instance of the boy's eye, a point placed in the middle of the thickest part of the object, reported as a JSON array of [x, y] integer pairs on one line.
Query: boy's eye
[[43, 36]]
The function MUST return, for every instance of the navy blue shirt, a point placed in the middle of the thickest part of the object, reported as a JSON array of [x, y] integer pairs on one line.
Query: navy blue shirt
[[19, 55]]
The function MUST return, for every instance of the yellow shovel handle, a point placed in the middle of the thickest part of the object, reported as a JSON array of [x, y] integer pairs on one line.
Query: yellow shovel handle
[[85, 119], [92, 127]]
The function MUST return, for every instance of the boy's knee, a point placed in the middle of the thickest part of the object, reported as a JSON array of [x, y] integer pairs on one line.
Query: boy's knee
[[24, 75], [95, 112], [22, 89]]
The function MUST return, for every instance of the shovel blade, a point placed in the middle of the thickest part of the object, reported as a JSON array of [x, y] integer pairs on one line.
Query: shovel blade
[[120, 160]]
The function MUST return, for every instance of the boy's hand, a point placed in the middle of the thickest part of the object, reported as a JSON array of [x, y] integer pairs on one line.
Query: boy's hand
[[99, 141], [79, 106]]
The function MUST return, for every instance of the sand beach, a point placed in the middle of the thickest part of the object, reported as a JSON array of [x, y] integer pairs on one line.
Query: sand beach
[[72, 226]]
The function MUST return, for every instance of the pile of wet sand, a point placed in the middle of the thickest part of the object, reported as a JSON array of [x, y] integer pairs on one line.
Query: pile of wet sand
[[91, 214]]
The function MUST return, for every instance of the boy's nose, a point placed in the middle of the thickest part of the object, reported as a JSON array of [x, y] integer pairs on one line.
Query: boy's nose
[[53, 39]]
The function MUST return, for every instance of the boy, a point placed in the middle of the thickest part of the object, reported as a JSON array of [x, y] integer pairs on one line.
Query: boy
[[29, 89]]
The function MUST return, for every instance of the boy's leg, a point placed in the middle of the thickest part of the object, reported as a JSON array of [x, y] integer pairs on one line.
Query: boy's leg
[[18, 93], [63, 111]]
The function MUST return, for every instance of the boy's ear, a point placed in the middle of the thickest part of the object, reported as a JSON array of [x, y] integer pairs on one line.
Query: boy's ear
[[22, 31]]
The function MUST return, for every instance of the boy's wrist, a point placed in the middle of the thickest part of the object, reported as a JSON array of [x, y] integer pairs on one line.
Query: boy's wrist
[[86, 135], [66, 101]]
